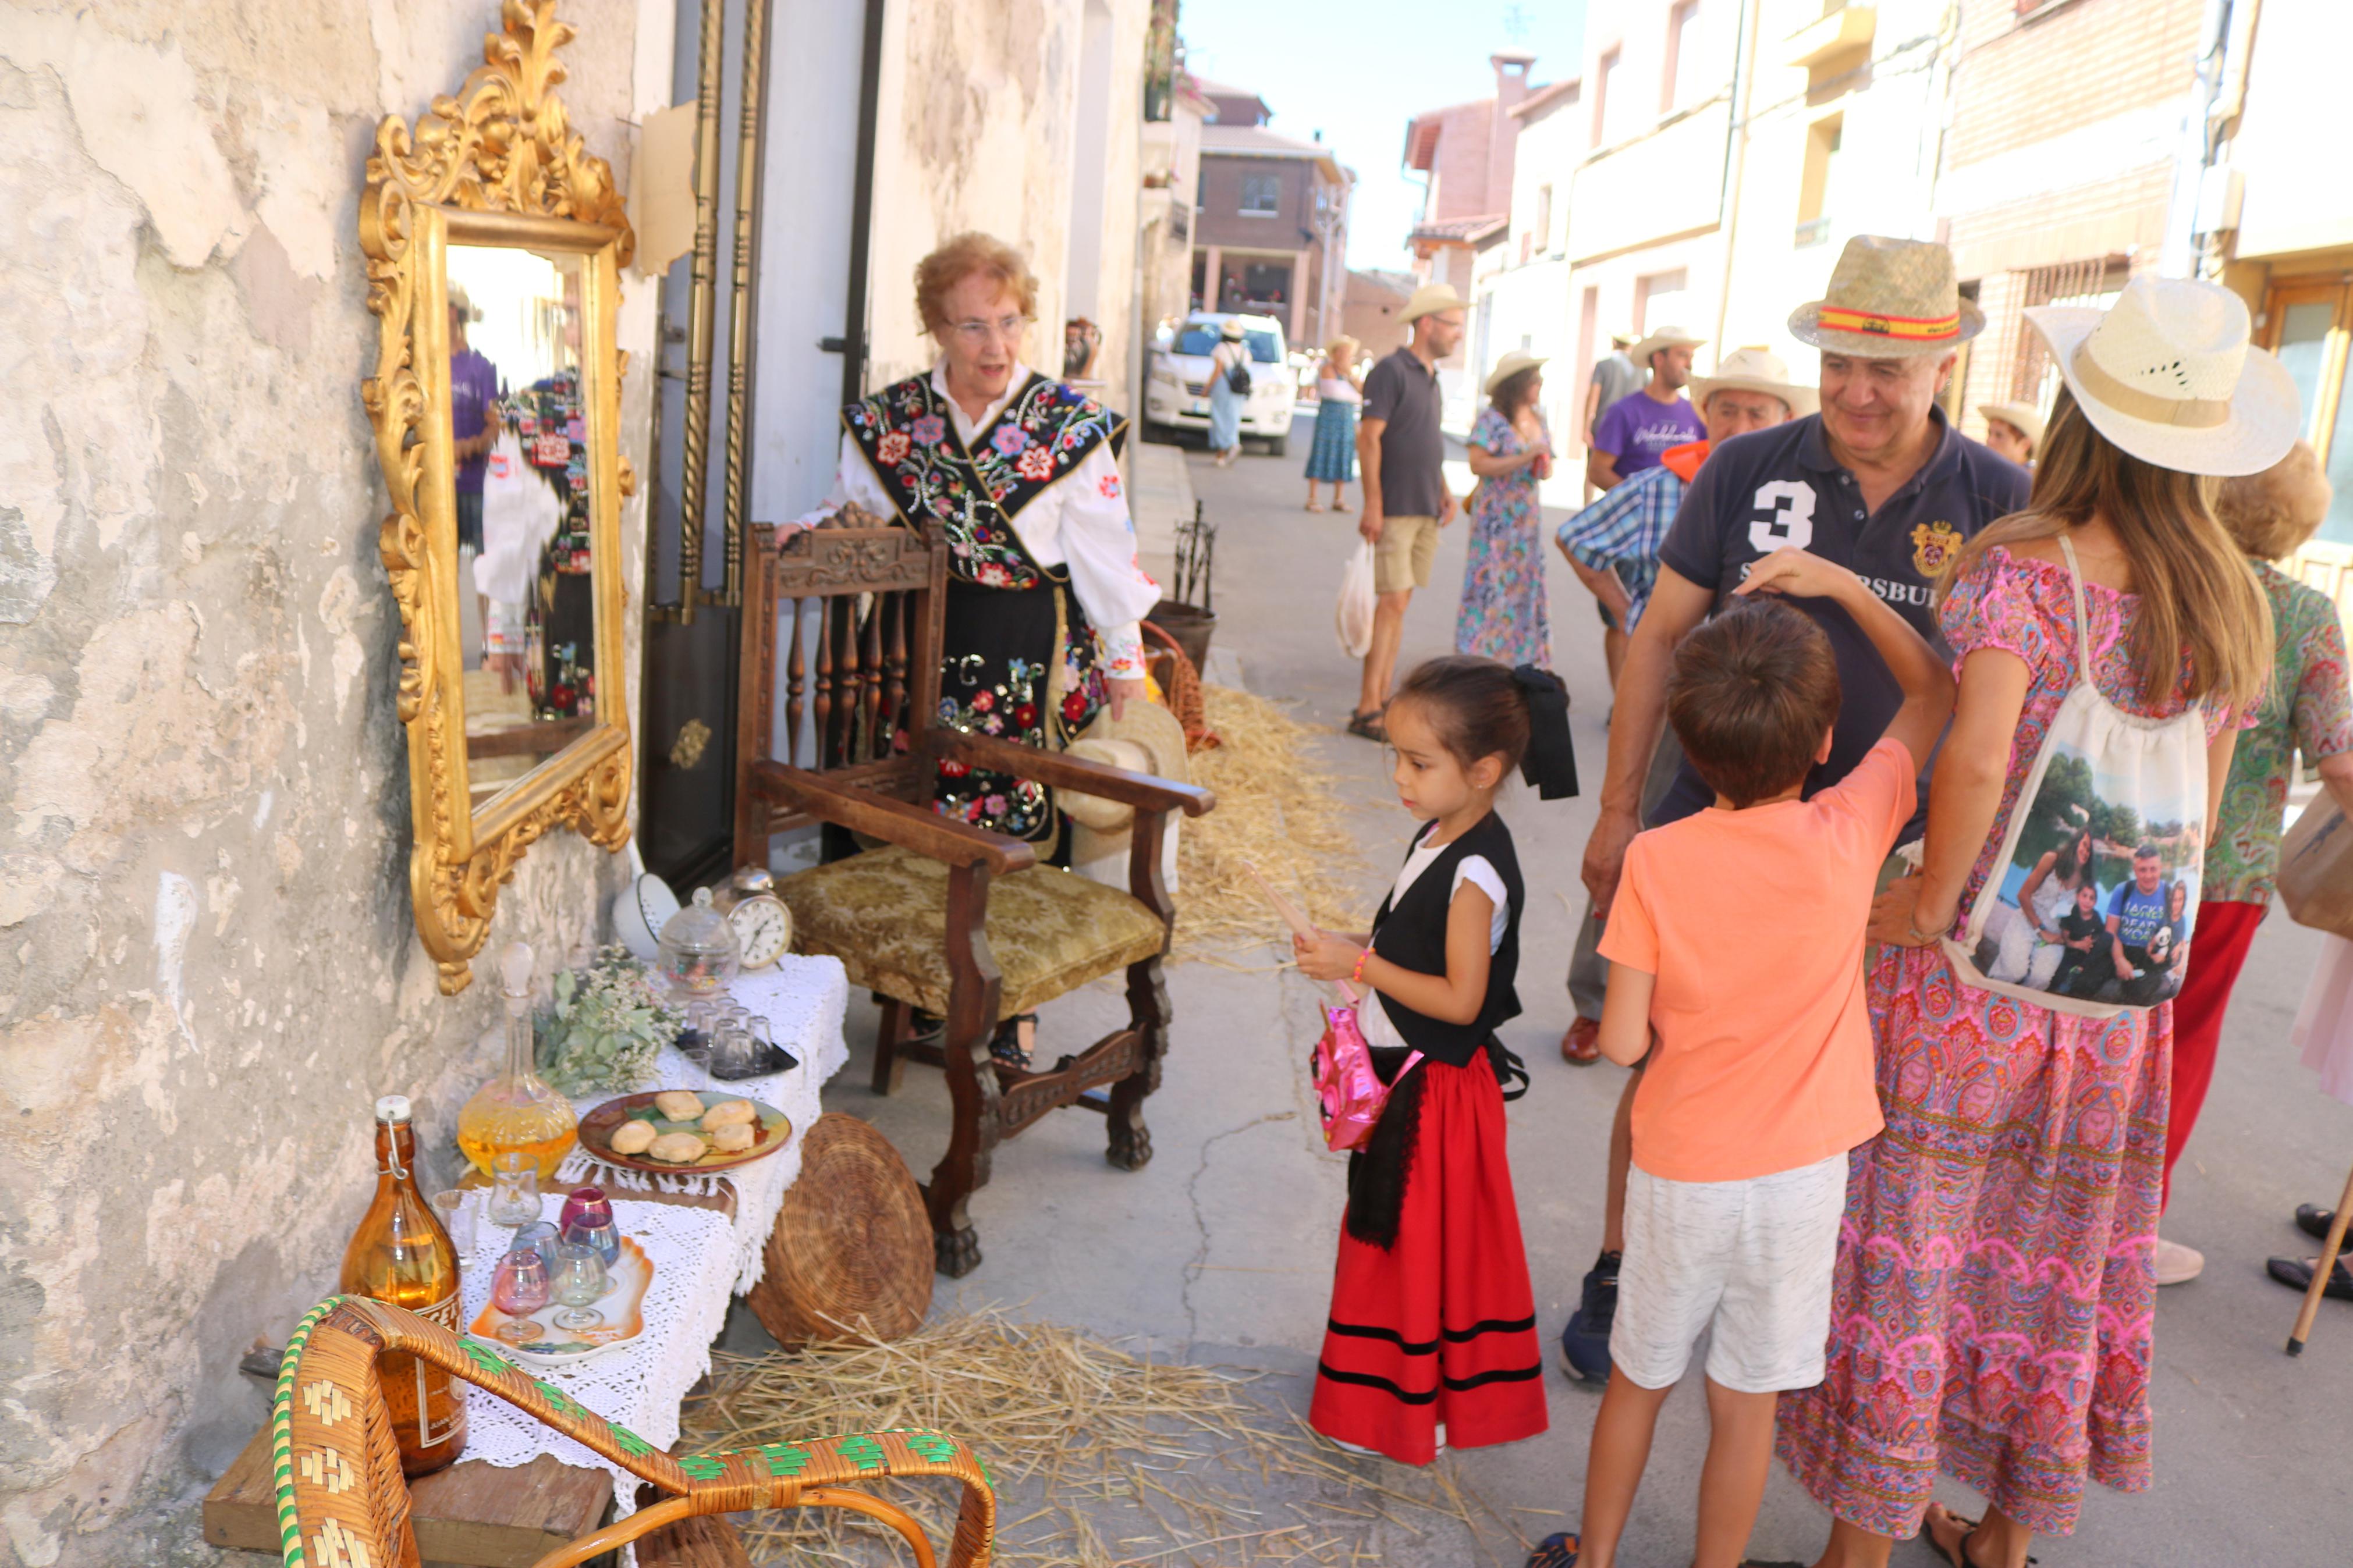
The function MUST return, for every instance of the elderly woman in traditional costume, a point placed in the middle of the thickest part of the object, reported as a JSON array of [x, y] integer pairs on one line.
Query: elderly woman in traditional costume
[[1020, 473]]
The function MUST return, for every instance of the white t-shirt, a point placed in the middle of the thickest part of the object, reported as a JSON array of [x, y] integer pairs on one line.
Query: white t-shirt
[[1372, 1018]]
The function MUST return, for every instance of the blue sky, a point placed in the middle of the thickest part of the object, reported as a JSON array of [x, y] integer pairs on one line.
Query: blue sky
[[1359, 70]]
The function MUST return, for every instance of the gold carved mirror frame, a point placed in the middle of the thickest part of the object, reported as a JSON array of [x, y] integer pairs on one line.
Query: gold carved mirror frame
[[495, 167]]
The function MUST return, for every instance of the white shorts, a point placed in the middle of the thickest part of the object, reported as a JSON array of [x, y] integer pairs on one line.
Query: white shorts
[[1750, 1259]]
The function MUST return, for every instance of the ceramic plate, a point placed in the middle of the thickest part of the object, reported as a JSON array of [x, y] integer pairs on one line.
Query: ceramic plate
[[598, 1127], [623, 1306]]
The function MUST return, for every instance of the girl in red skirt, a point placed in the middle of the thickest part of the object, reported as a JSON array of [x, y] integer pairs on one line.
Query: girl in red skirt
[[1433, 1328]]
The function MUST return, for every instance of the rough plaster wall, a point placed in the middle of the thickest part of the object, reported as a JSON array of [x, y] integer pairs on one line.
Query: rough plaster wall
[[208, 968], [973, 132]]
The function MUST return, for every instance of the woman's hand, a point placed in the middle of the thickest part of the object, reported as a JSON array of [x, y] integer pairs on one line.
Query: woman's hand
[[1897, 918], [1800, 573], [1324, 956], [1120, 691]]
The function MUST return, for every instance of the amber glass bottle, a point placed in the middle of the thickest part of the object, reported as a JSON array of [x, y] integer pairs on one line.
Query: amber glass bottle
[[400, 1253]]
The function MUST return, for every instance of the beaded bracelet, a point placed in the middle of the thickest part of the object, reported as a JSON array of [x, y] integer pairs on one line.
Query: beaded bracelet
[[1356, 975]]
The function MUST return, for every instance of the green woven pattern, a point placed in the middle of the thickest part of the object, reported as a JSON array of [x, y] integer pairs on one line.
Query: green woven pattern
[[936, 1447], [864, 1452], [704, 1467], [483, 1356], [784, 1459], [636, 1447], [281, 1434]]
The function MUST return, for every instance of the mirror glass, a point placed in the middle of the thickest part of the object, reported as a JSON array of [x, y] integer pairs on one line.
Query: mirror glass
[[526, 600]]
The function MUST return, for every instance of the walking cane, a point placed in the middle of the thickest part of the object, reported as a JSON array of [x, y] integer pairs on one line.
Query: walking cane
[[2320, 1273]]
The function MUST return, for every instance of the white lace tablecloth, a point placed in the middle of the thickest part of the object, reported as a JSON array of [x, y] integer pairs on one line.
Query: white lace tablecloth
[[805, 1001], [637, 1385], [699, 1255]]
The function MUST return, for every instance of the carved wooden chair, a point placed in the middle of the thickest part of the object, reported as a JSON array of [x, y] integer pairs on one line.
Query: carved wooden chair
[[940, 915], [341, 1502]]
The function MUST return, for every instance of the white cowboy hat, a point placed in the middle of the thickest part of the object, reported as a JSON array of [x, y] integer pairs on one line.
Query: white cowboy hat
[[1664, 338], [1510, 365], [1146, 739], [2023, 417], [1889, 299], [1429, 300], [1231, 331], [1756, 370], [2167, 374]]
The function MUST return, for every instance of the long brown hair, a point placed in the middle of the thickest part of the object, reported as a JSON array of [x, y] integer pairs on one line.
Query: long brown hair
[[2195, 590], [1514, 392]]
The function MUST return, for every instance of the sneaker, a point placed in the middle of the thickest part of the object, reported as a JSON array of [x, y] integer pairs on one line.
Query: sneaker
[[2177, 1264], [1558, 1550], [1584, 1342]]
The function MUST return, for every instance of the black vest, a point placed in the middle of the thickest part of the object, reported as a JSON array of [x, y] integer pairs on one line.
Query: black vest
[[1410, 933]]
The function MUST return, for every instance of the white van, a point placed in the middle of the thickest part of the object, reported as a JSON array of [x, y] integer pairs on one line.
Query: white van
[[1177, 389]]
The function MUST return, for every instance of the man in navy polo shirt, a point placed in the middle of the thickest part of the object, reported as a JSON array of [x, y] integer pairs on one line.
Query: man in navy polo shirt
[[1878, 481]]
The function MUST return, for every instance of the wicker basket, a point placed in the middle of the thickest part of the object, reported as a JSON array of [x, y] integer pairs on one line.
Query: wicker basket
[[851, 1246]]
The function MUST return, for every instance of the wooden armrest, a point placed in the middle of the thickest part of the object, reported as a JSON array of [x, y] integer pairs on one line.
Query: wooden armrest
[[1063, 771], [916, 827]]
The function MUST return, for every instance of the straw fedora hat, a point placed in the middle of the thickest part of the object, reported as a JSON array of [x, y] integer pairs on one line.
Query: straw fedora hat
[[1146, 739], [1664, 338], [2024, 417], [1510, 365], [2167, 375], [1756, 370], [1429, 300], [1889, 299], [1231, 331]]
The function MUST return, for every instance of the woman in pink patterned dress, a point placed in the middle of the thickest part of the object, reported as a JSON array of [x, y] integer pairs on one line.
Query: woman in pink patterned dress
[[1993, 1308]]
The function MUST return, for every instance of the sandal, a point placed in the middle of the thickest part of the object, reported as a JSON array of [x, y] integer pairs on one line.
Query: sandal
[[1959, 1555], [1368, 726], [1558, 1550], [1314, 506], [1005, 1045]]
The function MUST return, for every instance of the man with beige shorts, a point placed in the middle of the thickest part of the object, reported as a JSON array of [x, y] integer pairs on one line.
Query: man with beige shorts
[[1403, 456]]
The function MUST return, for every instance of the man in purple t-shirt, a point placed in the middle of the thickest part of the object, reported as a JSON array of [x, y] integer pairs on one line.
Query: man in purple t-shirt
[[1633, 431], [474, 400]]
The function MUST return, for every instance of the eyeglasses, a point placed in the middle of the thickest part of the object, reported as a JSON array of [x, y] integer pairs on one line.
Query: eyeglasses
[[1009, 328]]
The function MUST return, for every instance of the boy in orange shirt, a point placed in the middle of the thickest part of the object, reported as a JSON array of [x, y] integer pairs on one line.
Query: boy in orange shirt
[[1736, 964]]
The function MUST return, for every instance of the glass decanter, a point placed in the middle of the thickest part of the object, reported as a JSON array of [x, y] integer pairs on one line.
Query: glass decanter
[[516, 1112]]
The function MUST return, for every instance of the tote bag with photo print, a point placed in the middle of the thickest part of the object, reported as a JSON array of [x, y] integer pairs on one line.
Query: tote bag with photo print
[[2119, 938]]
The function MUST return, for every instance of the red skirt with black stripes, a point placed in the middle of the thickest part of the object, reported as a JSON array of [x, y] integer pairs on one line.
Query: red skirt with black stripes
[[1441, 1327]]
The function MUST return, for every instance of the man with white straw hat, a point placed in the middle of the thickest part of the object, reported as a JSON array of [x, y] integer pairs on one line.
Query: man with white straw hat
[[1877, 480], [1633, 431], [2013, 430], [1402, 454], [1613, 548]]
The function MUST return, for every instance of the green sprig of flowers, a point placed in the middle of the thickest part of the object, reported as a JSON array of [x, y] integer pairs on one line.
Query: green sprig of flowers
[[606, 1025]]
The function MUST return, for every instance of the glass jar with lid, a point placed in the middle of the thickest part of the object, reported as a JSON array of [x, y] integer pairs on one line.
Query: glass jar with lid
[[698, 951]]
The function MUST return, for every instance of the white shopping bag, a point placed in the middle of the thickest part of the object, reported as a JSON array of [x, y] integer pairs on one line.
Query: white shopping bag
[[1353, 620]]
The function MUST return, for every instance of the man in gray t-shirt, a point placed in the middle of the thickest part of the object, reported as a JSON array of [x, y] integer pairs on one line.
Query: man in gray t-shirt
[[1403, 455], [1615, 377]]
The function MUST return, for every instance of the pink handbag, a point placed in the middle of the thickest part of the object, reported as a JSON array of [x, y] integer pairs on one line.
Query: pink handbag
[[1349, 1095]]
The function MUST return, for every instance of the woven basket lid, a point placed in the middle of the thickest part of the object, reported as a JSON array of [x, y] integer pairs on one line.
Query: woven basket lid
[[851, 1244]]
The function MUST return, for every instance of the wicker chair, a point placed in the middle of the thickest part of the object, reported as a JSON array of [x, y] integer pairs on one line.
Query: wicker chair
[[840, 684], [341, 1502]]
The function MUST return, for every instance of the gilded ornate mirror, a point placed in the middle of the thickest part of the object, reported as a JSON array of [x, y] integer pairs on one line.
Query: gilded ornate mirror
[[495, 245]]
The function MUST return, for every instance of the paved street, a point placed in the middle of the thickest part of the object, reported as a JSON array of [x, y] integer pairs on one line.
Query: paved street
[[1220, 1250]]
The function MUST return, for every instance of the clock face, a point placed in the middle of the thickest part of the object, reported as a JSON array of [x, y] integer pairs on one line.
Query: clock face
[[763, 928]]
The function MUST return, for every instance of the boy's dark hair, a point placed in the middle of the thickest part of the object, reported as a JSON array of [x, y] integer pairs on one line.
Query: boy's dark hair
[[1475, 705], [1752, 692]]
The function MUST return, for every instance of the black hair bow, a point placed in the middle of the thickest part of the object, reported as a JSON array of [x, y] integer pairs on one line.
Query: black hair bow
[[1551, 761]]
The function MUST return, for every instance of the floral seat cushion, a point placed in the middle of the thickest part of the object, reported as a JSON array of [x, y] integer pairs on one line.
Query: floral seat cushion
[[884, 914]]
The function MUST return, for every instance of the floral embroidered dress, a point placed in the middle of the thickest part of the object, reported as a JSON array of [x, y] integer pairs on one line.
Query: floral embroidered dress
[[1993, 1304], [1503, 615], [1044, 593]]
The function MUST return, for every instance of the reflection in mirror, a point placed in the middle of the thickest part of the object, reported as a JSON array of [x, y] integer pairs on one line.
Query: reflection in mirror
[[526, 599]]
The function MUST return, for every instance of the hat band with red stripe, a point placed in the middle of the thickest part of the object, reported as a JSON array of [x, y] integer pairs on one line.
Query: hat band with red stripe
[[1912, 328]]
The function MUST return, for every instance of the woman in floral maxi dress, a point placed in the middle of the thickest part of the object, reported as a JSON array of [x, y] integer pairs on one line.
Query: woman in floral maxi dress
[[1503, 615], [1992, 1310]]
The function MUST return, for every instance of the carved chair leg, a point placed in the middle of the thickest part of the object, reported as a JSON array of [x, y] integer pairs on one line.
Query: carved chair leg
[[1147, 999], [889, 1034], [973, 1135]]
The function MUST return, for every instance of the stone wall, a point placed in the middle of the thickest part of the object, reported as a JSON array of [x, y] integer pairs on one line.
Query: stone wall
[[208, 967]]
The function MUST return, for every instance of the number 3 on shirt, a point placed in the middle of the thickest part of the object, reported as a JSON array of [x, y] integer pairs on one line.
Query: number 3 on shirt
[[1792, 504]]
